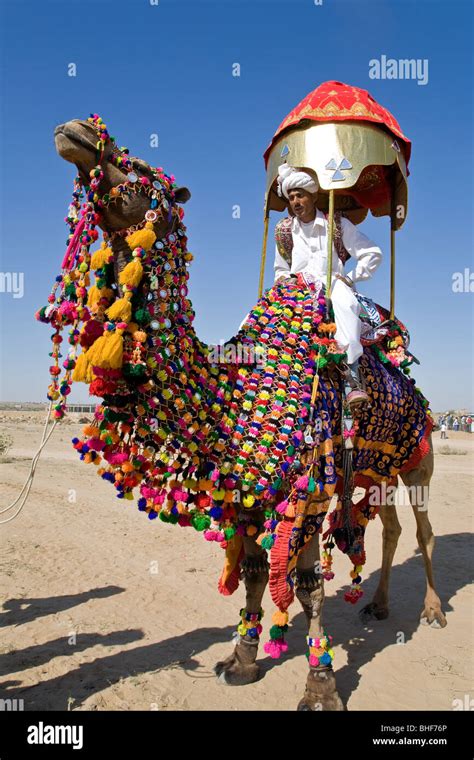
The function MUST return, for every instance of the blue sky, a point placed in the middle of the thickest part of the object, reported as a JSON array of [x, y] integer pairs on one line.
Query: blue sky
[[167, 68]]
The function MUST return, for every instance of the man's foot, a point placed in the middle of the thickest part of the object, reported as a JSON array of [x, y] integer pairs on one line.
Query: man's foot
[[357, 397]]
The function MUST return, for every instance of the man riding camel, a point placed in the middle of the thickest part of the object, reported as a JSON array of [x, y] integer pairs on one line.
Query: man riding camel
[[301, 247]]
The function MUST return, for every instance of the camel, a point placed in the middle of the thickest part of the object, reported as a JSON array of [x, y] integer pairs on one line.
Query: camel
[[76, 142]]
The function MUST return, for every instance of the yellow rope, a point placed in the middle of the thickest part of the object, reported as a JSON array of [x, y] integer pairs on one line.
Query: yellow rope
[[392, 272], [330, 239], [264, 254], [393, 211]]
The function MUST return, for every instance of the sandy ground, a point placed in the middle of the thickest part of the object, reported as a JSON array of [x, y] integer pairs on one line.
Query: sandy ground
[[102, 609]]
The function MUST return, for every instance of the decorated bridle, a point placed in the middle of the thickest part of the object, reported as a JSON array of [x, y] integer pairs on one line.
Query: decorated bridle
[[70, 301]]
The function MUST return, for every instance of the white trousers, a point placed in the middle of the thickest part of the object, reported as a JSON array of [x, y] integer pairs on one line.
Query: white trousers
[[346, 315]]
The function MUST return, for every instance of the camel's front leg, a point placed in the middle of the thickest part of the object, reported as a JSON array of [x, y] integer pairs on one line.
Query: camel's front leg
[[240, 667], [321, 692]]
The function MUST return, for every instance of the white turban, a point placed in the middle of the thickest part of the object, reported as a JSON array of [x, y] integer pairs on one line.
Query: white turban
[[290, 178]]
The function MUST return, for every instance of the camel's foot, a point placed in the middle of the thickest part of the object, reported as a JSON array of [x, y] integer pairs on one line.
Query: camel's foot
[[321, 692], [433, 615], [240, 667], [373, 611]]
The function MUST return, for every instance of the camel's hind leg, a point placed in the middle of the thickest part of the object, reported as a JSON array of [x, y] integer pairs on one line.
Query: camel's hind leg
[[417, 482], [240, 667], [320, 692], [377, 609]]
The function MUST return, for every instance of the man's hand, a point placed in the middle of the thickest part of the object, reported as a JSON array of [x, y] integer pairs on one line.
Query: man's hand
[[347, 280]]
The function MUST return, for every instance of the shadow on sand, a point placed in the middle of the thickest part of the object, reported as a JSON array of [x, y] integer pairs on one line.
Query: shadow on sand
[[361, 642]]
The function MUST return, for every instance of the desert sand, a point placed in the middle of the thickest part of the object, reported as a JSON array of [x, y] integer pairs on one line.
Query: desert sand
[[103, 609]]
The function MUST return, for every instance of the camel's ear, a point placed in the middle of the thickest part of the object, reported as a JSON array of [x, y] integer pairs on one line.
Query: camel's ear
[[182, 194]]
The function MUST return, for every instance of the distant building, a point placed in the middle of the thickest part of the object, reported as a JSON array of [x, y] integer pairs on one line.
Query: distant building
[[83, 408]]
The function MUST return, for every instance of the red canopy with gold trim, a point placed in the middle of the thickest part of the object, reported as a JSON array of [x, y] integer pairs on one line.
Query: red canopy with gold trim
[[336, 101]]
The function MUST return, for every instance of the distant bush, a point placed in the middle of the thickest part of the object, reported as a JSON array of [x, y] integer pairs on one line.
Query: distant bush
[[449, 450], [5, 442]]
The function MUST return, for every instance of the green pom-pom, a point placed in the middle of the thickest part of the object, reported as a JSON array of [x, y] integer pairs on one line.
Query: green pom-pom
[[229, 533], [142, 316], [200, 522], [267, 542], [311, 485], [134, 370], [167, 517], [278, 631]]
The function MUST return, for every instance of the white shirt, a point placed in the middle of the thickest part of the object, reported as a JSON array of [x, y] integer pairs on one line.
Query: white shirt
[[310, 250]]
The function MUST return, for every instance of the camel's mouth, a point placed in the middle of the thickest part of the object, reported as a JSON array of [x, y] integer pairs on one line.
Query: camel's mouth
[[71, 142], [76, 142]]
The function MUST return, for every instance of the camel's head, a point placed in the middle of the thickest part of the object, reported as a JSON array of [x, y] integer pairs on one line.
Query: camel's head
[[76, 141]]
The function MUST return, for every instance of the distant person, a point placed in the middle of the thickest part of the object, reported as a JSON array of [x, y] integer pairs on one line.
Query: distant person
[[456, 425], [443, 429]]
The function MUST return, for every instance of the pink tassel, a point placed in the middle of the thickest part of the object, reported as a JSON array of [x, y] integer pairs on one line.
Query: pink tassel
[[179, 495], [116, 458], [96, 444], [147, 492], [275, 648], [313, 660], [281, 507], [302, 483]]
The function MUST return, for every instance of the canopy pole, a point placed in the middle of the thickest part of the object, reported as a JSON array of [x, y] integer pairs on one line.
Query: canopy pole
[[330, 239], [264, 252], [393, 211]]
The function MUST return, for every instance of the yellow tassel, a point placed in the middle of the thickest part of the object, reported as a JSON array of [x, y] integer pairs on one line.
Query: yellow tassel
[[107, 293], [101, 257], [107, 351], [121, 309], [80, 370], [93, 296], [142, 238], [132, 273], [95, 350]]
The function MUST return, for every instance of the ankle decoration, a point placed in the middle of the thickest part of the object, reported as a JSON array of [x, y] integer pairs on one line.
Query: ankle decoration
[[250, 623], [355, 592], [326, 562], [320, 652], [277, 644]]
